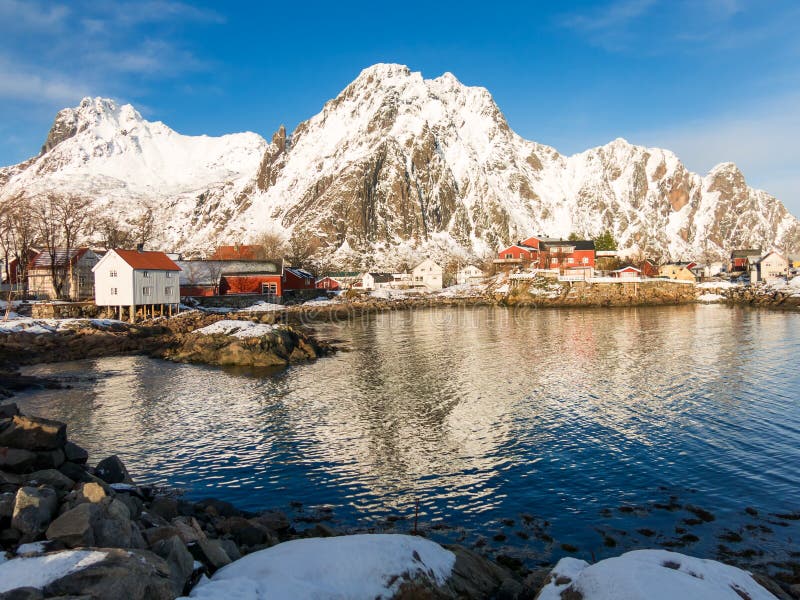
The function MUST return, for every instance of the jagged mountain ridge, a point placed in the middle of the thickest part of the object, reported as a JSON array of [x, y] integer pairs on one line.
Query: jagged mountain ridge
[[397, 165]]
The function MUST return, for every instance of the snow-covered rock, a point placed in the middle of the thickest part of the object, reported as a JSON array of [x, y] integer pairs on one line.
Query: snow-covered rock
[[238, 329], [709, 297], [352, 567], [38, 571], [651, 575]]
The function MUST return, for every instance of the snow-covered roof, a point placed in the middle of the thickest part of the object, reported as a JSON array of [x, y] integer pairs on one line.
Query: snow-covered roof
[[302, 274]]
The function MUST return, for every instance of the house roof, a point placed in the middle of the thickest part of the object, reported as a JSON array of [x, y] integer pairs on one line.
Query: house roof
[[577, 244], [239, 252], [626, 268], [382, 277], [520, 246], [746, 252], [147, 260], [43, 260], [299, 273], [208, 272]]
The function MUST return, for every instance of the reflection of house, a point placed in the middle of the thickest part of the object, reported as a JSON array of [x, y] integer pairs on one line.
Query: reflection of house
[[427, 274], [136, 278], [628, 272], [770, 267], [740, 259], [74, 267], [677, 271], [469, 274]]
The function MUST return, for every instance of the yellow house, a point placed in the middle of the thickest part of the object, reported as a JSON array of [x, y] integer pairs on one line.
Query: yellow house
[[677, 271]]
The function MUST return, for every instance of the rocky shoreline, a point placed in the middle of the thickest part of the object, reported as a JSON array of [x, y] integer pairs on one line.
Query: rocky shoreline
[[148, 542]]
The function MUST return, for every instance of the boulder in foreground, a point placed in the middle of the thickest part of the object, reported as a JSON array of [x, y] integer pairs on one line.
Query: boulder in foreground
[[650, 575], [353, 566]]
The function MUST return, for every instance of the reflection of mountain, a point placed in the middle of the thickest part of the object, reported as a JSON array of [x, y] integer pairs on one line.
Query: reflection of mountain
[[479, 413]]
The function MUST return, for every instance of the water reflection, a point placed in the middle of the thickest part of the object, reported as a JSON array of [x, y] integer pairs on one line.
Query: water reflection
[[480, 413]]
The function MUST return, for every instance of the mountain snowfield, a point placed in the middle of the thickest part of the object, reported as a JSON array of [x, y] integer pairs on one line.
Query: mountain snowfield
[[396, 167]]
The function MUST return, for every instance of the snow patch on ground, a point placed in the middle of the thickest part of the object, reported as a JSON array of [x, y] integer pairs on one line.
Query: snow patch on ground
[[707, 297], [238, 329], [353, 567], [30, 325], [652, 575], [464, 290], [264, 307], [38, 571]]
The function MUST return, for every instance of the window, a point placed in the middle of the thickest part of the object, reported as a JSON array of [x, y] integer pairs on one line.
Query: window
[[112, 273], [147, 290], [168, 290], [145, 273], [81, 280], [555, 261], [113, 291], [585, 260], [270, 289], [169, 274], [509, 256], [570, 260]]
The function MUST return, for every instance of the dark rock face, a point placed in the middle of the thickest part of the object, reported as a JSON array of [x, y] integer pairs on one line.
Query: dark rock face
[[111, 470], [34, 508], [32, 433]]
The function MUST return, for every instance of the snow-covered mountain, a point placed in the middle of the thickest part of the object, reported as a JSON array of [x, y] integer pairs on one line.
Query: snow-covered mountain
[[395, 167]]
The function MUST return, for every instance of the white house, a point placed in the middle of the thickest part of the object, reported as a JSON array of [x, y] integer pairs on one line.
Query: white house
[[469, 274], [770, 267], [427, 274], [137, 279], [377, 281]]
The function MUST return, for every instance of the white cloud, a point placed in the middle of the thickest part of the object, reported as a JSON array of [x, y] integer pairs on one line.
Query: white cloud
[[609, 17], [21, 84], [762, 139], [32, 16]]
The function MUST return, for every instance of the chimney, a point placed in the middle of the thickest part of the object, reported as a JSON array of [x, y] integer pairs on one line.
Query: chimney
[[139, 247]]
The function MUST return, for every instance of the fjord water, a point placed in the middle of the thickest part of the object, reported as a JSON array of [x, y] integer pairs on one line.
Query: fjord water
[[482, 414]]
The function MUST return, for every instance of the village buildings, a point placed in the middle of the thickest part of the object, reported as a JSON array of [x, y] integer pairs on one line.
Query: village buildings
[[73, 274], [137, 280], [769, 268], [469, 274], [428, 275], [677, 271]]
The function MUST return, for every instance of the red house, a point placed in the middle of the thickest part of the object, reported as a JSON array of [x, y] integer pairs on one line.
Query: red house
[[517, 254], [629, 272], [574, 254], [328, 283]]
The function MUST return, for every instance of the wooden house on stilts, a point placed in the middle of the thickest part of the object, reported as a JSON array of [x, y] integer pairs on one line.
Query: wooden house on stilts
[[143, 282]]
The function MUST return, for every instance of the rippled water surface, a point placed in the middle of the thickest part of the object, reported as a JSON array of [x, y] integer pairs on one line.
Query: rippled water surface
[[549, 418]]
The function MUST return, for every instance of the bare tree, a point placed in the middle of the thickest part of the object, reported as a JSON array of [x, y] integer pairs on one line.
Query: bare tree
[[144, 227], [59, 221], [274, 244], [112, 233]]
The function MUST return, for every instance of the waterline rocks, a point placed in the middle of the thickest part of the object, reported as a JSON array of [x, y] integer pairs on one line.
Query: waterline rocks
[[246, 343]]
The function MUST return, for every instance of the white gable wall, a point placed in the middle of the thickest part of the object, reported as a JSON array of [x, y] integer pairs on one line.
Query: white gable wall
[[428, 274], [105, 284], [130, 284]]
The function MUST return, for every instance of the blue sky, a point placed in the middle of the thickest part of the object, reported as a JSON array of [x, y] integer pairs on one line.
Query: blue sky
[[713, 80]]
